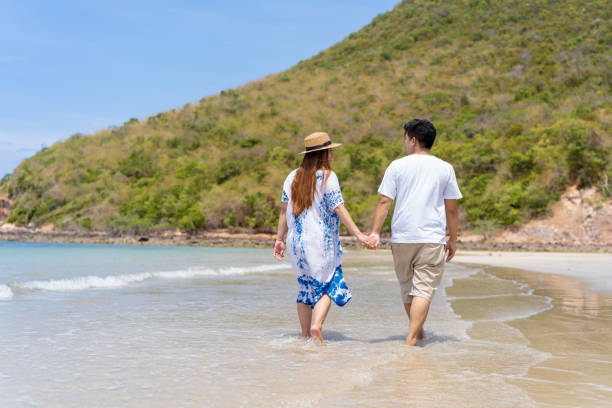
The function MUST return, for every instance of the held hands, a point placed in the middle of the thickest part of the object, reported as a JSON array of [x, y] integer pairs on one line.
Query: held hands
[[370, 241], [375, 239]]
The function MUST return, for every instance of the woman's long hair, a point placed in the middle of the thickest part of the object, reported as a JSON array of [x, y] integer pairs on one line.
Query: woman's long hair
[[305, 182]]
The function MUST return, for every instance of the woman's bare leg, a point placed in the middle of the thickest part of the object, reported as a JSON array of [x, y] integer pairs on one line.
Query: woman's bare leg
[[305, 315], [320, 313]]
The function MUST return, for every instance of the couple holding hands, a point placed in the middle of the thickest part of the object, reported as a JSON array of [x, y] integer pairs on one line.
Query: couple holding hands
[[426, 193]]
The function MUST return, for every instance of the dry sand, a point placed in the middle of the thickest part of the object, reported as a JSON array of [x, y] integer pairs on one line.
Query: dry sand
[[594, 269]]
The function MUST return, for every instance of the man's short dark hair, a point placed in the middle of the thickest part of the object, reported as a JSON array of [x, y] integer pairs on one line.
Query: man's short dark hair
[[423, 130]]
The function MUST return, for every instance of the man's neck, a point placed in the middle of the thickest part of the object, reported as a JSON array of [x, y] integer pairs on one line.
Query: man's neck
[[421, 151]]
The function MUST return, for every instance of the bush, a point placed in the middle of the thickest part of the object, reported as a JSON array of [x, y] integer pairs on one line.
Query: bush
[[86, 223], [227, 170], [586, 157], [192, 221], [249, 142], [477, 157], [260, 211], [137, 165], [521, 163], [173, 142], [521, 93]]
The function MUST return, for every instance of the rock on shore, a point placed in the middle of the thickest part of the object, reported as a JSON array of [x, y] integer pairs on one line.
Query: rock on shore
[[5, 208], [580, 217]]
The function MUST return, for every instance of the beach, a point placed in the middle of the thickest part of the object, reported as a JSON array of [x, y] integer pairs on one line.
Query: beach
[[159, 326], [595, 269]]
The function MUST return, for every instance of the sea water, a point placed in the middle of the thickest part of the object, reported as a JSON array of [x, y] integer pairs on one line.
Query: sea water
[[135, 326]]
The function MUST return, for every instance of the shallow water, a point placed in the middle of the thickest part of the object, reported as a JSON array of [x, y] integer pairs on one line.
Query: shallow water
[[216, 327]]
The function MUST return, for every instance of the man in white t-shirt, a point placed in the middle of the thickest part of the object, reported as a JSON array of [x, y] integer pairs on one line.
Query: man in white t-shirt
[[425, 192]]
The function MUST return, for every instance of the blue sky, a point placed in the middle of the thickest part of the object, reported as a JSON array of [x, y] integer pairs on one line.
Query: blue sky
[[81, 66]]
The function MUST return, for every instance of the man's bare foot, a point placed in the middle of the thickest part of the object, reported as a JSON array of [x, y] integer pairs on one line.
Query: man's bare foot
[[421, 335], [411, 342], [316, 334]]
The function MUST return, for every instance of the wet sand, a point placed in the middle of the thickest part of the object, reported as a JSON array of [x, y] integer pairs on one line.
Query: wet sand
[[576, 331], [595, 269]]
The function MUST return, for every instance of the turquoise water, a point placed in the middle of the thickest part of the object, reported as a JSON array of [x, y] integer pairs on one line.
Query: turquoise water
[[134, 326]]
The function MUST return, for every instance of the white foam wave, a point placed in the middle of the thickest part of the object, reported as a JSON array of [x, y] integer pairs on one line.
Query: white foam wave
[[516, 316], [196, 272], [5, 292], [117, 281], [599, 387], [252, 269], [86, 282], [488, 296], [185, 274]]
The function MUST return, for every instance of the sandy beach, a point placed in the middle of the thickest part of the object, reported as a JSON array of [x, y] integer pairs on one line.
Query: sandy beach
[[592, 268]]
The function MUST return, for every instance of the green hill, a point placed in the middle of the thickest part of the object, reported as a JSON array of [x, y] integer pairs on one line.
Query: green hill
[[520, 93]]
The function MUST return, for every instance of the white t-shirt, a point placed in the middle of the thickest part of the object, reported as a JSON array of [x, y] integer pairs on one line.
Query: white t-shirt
[[419, 183]]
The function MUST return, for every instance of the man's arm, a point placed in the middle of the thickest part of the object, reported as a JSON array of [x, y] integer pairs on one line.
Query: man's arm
[[452, 221], [346, 219], [381, 214]]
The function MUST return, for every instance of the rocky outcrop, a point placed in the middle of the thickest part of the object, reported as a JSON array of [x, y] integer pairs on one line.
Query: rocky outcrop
[[580, 218], [5, 208]]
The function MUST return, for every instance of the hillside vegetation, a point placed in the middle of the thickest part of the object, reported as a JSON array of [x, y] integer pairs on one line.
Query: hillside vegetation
[[520, 92]]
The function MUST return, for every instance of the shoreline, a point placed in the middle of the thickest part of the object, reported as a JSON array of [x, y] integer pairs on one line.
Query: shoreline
[[592, 269], [261, 240]]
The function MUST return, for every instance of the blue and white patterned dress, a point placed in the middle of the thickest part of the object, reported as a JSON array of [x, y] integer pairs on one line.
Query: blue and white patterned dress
[[313, 243]]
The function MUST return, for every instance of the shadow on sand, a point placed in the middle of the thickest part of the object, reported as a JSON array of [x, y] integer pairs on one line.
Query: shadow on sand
[[430, 338], [336, 336]]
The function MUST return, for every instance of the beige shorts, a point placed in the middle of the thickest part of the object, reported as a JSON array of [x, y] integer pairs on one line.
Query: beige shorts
[[419, 269]]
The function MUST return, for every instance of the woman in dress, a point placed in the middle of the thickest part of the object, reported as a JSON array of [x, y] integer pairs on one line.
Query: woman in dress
[[312, 206]]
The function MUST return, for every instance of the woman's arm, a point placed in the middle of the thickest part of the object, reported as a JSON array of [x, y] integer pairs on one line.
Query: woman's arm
[[279, 244], [346, 219]]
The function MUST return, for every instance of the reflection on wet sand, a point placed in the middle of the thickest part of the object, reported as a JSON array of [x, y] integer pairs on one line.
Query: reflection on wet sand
[[577, 332], [570, 294]]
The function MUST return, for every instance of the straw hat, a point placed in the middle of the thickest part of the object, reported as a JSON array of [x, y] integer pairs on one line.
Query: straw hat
[[318, 141]]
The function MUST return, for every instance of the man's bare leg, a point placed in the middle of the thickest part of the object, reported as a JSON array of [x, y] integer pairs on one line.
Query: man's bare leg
[[305, 315], [320, 313], [421, 334], [418, 314]]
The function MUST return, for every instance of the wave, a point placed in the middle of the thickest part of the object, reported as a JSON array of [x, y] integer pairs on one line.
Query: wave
[[5, 292], [117, 281], [85, 282], [498, 295]]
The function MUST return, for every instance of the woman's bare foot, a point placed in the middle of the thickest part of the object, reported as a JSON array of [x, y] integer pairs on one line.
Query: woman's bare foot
[[315, 331]]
